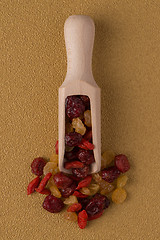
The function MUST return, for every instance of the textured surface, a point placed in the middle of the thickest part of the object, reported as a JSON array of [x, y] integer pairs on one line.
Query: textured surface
[[126, 65]]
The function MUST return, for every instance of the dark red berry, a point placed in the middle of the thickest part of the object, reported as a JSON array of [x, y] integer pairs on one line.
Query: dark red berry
[[72, 155], [62, 181], [38, 165], [73, 139], [66, 192], [110, 174], [122, 163], [86, 156], [86, 101], [84, 202], [81, 172], [74, 107], [53, 204]]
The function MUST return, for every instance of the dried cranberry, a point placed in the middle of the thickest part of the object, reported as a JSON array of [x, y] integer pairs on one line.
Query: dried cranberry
[[53, 204], [74, 107], [122, 163], [84, 202], [86, 156], [86, 101], [110, 174], [81, 172], [62, 181], [38, 165], [71, 155], [73, 139], [66, 192]]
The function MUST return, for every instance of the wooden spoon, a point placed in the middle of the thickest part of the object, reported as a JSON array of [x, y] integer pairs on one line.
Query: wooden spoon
[[79, 31]]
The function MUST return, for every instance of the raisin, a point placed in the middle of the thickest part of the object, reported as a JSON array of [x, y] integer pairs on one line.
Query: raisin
[[119, 195], [85, 182], [78, 126], [87, 118], [73, 139], [66, 192], [110, 174], [68, 128], [85, 191], [71, 200], [74, 107], [81, 172], [94, 188], [86, 101], [33, 185], [121, 181], [71, 216], [49, 167], [54, 158], [82, 219], [74, 164], [38, 165], [107, 158], [53, 204], [74, 207], [55, 191], [108, 187], [122, 163], [62, 181], [86, 156], [97, 178]]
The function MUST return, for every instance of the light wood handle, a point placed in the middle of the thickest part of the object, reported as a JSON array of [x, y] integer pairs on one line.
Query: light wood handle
[[79, 31]]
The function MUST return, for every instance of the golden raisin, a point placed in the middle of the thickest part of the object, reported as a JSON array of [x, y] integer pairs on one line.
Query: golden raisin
[[79, 126], [119, 195], [71, 216], [48, 168], [55, 191], [87, 118], [107, 157], [97, 178], [94, 188], [121, 181], [71, 200], [54, 158], [68, 127], [56, 170], [85, 191], [108, 187]]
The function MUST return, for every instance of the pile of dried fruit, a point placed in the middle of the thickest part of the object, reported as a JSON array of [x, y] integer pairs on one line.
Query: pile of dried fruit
[[85, 195]]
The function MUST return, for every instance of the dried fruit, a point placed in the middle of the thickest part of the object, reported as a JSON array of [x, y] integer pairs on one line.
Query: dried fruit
[[74, 207], [122, 163], [68, 127], [86, 156], [72, 155], [80, 172], [94, 188], [119, 195], [79, 195], [107, 157], [66, 192], [56, 147], [86, 145], [74, 164], [82, 219], [45, 191], [85, 182], [74, 107], [88, 135], [73, 139], [121, 181], [54, 158], [71, 200], [56, 170], [38, 165], [108, 187], [85, 191], [55, 191], [86, 101], [32, 185], [53, 204], [110, 174], [97, 178], [71, 216], [62, 181], [68, 149], [84, 202], [78, 126], [43, 183], [98, 215], [48, 168], [87, 118]]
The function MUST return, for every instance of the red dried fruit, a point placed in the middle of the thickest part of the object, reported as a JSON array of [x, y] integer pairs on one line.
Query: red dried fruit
[[83, 202], [79, 195], [66, 192], [95, 216], [86, 101], [80, 172], [38, 165], [74, 107], [32, 185], [62, 181], [53, 204], [73, 139], [77, 179], [85, 182], [56, 147], [74, 207], [86, 156], [45, 191], [86, 145], [88, 135], [43, 183], [74, 164], [122, 163], [70, 156], [110, 174], [82, 219]]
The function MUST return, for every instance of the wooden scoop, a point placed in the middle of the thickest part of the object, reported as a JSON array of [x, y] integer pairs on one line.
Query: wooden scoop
[[79, 31]]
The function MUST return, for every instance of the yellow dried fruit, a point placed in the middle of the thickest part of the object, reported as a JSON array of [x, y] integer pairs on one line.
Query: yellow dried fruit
[[97, 178], [68, 128], [79, 126], [55, 191], [121, 181], [49, 167], [119, 195], [94, 188], [87, 118], [50, 182], [85, 191], [54, 159], [56, 170], [107, 157], [108, 187], [71, 216], [71, 200]]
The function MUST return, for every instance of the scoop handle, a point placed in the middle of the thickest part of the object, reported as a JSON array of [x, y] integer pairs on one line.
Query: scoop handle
[[79, 31]]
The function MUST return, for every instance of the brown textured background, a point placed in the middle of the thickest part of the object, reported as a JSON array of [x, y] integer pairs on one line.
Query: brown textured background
[[126, 65]]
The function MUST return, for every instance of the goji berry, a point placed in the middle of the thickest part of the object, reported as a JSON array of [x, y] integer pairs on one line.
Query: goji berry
[[82, 146], [86, 144], [88, 135], [80, 195], [82, 219], [44, 191], [85, 182], [95, 216], [44, 182], [32, 185], [74, 164], [56, 147], [74, 207]]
